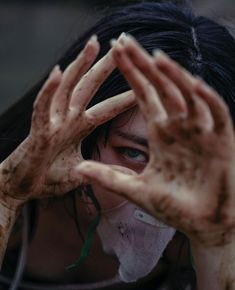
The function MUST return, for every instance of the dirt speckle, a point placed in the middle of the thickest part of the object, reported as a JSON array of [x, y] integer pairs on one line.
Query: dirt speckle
[[220, 126], [25, 184], [218, 215], [5, 171], [197, 130], [185, 134]]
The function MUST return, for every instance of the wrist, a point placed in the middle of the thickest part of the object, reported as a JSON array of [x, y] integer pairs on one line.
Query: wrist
[[215, 266], [9, 209]]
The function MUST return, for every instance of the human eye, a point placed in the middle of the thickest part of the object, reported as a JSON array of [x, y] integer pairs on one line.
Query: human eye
[[133, 154]]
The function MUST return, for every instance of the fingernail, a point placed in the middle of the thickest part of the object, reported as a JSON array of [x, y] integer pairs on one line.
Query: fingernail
[[158, 53], [125, 38], [113, 42], [83, 167], [130, 37], [122, 37], [123, 34], [55, 70], [93, 38]]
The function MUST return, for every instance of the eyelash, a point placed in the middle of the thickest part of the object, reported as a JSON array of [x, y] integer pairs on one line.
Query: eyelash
[[124, 151]]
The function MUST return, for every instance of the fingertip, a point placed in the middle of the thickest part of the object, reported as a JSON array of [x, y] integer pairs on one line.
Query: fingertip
[[113, 42], [162, 60], [117, 51], [116, 45], [129, 40], [122, 38], [160, 55], [55, 74], [93, 41], [201, 85], [92, 46], [52, 81], [86, 168], [94, 38], [83, 167]]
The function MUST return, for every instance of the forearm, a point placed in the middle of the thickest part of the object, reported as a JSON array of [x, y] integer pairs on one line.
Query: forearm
[[9, 209], [215, 267]]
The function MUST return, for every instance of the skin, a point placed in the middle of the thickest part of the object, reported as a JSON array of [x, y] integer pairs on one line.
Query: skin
[[189, 181], [45, 163], [127, 148], [49, 159]]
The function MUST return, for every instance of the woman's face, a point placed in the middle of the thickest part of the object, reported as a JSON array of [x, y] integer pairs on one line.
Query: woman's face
[[126, 146]]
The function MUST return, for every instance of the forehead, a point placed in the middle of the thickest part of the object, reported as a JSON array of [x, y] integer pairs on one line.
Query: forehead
[[131, 121]]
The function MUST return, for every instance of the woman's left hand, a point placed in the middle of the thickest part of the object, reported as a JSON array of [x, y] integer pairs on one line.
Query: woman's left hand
[[189, 182]]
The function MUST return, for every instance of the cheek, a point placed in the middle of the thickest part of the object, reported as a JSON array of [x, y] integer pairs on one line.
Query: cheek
[[107, 154]]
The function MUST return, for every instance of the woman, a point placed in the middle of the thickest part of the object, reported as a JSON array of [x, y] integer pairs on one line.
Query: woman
[[163, 150]]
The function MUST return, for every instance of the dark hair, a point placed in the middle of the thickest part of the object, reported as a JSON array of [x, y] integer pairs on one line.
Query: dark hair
[[200, 45]]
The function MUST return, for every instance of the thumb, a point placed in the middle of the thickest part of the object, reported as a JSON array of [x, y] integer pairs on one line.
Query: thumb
[[123, 169], [118, 179]]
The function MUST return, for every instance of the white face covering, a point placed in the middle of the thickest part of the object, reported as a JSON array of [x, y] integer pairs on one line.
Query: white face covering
[[136, 238]]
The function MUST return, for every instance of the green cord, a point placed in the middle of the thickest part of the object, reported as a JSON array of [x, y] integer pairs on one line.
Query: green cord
[[90, 232]]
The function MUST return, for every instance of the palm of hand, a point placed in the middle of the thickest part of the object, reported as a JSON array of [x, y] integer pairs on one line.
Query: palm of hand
[[189, 181]]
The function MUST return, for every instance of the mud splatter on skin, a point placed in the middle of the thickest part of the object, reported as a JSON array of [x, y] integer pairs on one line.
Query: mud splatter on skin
[[166, 138], [229, 284], [181, 167], [216, 222], [44, 146], [185, 134], [171, 177], [222, 200], [197, 130], [5, 171], [7, 174], [220, 126], [26, 184]]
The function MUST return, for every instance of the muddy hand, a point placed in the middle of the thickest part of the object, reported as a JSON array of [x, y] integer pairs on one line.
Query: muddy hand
[[45, 163], [189, 181]]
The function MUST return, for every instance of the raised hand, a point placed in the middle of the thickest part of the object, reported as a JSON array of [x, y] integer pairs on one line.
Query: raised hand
[[189, 181], [45, 163]]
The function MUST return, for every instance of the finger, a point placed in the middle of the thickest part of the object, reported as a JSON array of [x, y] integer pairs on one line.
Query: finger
[[191, 86], [64, 176], [200, 115], [72, 75], [170, 95], [218, 108], [110, 108], [91, 82], [41, 107], [112, 180], [123, 169], [182, 79], [147, 96]]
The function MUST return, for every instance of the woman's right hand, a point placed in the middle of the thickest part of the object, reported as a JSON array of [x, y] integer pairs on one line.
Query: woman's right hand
[[44, 164]]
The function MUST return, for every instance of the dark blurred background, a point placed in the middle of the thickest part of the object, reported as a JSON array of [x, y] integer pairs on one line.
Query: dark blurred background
[[35, 33]]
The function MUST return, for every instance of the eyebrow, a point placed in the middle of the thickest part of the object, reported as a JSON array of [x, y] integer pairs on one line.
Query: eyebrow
[[132, 137]]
